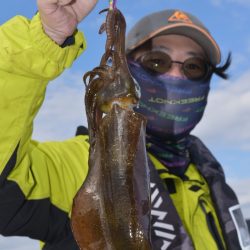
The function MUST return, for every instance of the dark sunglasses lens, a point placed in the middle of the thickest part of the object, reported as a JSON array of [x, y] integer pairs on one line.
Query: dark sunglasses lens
[[156, 61], [195, 68]]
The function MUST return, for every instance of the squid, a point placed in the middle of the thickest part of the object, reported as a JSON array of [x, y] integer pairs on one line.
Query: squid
[[111, 210]]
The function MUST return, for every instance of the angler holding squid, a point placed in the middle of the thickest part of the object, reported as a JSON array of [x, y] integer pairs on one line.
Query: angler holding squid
[[172, 56]]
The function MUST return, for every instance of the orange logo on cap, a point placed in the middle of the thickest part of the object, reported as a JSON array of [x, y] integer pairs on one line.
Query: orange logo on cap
[[179, 16]]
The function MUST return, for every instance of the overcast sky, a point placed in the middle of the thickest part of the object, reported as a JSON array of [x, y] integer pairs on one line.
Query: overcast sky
[[225, 127]]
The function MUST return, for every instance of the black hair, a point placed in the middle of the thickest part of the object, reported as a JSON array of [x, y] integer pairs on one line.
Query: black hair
[[221, 70]]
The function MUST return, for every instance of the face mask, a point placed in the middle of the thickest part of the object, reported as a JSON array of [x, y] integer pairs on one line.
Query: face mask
[[172, 105]]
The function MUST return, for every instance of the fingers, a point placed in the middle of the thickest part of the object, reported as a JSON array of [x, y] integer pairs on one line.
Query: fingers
[[64, 2], [54, 2]]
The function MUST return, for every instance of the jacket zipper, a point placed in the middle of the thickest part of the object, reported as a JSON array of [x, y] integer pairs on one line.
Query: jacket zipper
[[212, 227]]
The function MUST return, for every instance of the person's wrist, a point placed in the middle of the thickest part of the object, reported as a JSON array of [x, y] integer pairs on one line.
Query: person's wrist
[[57, 37]]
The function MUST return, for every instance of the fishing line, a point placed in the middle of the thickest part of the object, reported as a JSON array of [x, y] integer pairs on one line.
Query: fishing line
[[112, 4]]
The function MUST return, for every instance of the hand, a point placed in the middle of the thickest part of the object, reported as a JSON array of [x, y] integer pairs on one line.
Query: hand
[[60, 17]]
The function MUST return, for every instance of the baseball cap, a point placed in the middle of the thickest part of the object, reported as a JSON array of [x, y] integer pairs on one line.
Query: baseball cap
[[176, 22]]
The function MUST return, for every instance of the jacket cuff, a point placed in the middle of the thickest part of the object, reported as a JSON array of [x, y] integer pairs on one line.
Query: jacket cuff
[[69, 41], [64, 56]]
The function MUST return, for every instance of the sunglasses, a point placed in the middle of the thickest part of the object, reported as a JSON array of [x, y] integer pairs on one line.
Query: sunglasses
[[158, 62]]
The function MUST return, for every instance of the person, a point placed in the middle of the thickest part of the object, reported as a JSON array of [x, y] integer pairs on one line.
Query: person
[[173, 57]]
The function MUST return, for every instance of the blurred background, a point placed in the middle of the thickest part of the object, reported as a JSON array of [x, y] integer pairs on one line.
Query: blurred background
[[225, 127]]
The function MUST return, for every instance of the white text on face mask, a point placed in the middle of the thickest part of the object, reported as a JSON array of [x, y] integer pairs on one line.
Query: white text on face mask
[[180, 101]]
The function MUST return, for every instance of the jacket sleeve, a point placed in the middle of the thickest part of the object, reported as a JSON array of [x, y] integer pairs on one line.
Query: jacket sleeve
[[37, 180]]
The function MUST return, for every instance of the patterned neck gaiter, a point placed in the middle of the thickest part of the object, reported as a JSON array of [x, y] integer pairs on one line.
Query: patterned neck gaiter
[[173, 106], [172, 154]]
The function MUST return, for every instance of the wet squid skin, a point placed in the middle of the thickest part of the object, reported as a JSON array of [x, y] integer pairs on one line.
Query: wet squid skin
[[110, 83], [111, 211]]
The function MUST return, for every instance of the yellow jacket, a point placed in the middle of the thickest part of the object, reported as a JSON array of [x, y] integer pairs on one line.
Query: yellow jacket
[[34, 176]]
